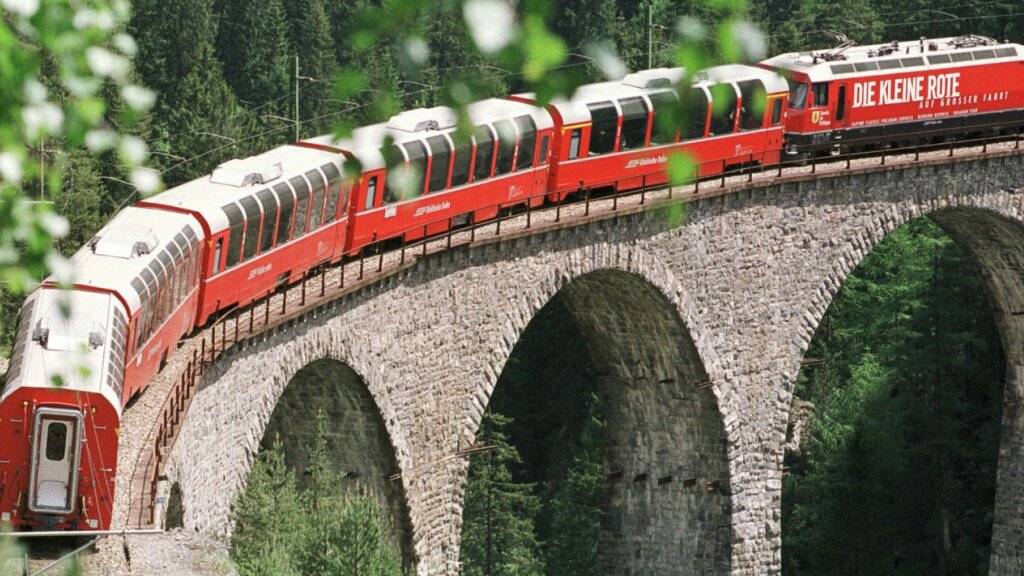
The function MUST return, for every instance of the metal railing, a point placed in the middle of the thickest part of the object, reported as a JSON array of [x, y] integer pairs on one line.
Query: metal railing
[[315, 289]]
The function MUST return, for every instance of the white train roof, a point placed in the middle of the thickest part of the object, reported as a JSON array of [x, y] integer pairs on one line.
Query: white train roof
[[241, 178], [417, 125], [50, 346], [914, 56], [647, 82], [134, 241]]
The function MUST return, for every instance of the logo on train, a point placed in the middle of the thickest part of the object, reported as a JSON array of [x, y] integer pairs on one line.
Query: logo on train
[[260, 270], [905, 90], [432, 208], [637, 162]]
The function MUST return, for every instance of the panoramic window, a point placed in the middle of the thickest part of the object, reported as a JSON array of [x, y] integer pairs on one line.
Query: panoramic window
[[723, 109], [236, 226], [418, 164], [439, 156], [527, 142], [301, 188], [252, 231], [605, 124], [634, 123], [286, 200], [484, 139], [266, 198], [663, 102], [460, 168], [506, 146], [752, 114]]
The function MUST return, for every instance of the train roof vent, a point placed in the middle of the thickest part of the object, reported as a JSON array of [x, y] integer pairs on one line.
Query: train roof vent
[[420, 119], [246, 172], [651, 79], [124, 242]]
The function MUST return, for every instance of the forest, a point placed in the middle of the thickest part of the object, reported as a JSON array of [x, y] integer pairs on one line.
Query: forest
[[903, 394]]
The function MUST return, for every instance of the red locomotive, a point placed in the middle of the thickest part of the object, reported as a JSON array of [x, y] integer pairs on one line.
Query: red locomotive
[[171, 263], [853, 98]]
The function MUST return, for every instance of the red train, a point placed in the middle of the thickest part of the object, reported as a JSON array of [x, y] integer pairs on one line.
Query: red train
[[169, 264]]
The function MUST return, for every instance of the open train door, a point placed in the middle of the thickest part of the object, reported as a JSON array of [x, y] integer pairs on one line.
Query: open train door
[[56, 449]]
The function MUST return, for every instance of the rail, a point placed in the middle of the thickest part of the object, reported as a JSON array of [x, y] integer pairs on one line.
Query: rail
[[330, 282]]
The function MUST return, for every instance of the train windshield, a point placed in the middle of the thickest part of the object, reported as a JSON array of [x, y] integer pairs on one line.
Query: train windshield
[[797, 94], [55, 460]]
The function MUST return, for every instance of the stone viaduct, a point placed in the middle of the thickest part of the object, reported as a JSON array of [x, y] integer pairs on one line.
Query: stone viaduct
[[695, 330]]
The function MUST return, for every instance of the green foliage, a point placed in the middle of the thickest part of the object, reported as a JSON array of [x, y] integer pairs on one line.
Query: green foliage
[[318, 527], [574, 507], [310, 39], [196, 113], [253, 47], [498, 534], [270, 519], [56, 58], [903, 446]]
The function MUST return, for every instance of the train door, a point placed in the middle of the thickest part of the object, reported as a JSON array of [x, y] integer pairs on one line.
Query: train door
[[55, 454], [840, 108]]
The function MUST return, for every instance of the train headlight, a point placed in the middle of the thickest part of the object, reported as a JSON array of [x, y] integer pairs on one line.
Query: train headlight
[[93, 523], [5, 517]]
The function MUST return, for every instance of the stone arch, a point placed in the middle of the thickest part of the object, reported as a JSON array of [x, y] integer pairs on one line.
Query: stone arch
[[990, 231], [357, 441], [232, 413], [668, 507]]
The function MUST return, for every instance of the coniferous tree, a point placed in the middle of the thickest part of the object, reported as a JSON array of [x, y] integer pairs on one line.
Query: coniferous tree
[[196, 115], [253, 47], [575, 506], [310, 38], [270, 522], [498, 535]]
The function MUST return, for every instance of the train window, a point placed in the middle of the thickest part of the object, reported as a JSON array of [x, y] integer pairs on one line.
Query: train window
[[664, 129], [841, 68], [301, 188], [237, 226], [841, 103], [961, 57], [217, 254], [634, 123], [723, 109], [939, 59], [776, 111], [605, 124], [371, 194], [393, 158], [286, 200], [889, 64], [984, 54], [484, 139], [56, 441], [1006, 52], [440, 154], [506, 147], [463, 156], [543, 154], [417, 152], [252, 232], [752, 110], [334, 192], [797, 94], [820, 90], [911, 62], [696, 106], [269, 205], [865, 66], [574, 144], [316, 208], [527, 142]]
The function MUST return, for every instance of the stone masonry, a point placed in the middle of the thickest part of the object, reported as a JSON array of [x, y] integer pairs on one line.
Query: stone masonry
[[737, 289]]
